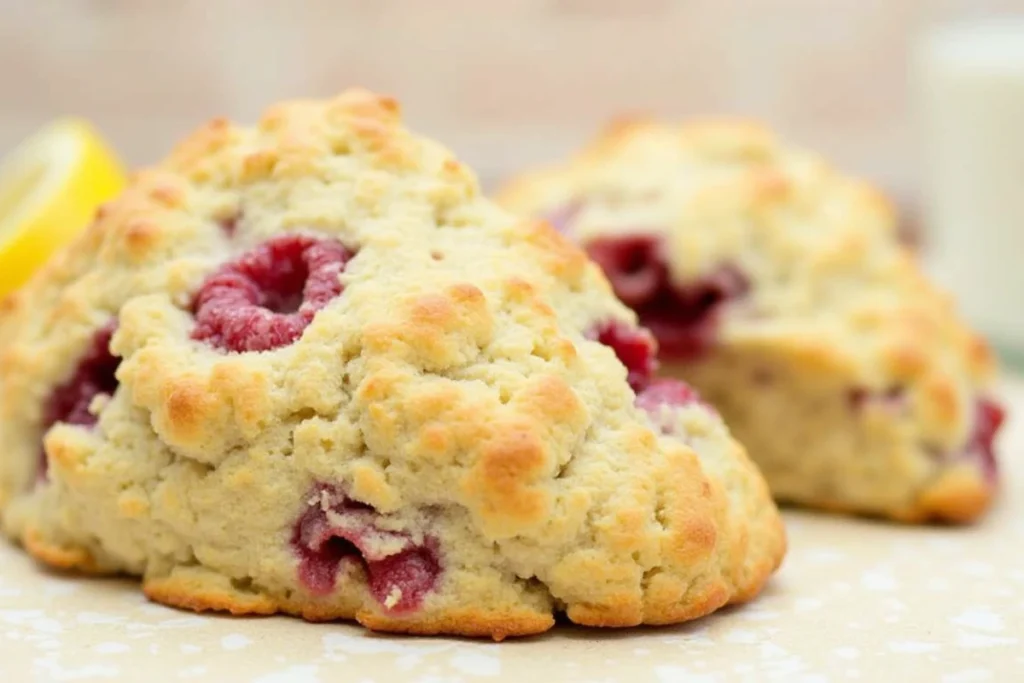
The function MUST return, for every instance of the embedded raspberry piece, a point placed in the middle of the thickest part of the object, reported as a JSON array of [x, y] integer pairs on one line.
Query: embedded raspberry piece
[[401, 581], [988, 418], [683, 319], [667, 392], [670, 393], [633, 265], [335, 529], [634, 348], [266, 298], [93, 376]]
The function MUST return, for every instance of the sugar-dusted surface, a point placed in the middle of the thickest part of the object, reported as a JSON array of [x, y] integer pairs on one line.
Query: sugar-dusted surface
[[855, 601]]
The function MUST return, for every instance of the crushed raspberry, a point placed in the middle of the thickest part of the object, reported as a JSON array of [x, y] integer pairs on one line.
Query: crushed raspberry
[[633, 265], [400, 573], [413, 571], [988, 418], [683, 319], [634, 348], [267, 297], [666, 392], [92, 377]]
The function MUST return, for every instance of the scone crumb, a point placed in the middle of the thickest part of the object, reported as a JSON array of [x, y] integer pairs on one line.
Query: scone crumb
[[98, 403], [394, 597]]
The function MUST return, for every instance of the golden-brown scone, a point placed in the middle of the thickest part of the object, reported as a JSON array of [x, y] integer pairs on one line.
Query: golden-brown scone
[[777, 287], [306, 367]]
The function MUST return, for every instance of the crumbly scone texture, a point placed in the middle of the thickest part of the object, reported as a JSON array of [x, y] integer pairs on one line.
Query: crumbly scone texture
[[447, 422], [847, 375]]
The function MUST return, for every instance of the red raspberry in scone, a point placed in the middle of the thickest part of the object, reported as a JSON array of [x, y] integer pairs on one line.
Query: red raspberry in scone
[[777, 287], [306, 367]]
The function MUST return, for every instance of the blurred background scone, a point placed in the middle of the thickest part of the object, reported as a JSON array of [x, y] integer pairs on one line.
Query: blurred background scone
[[778, 287]]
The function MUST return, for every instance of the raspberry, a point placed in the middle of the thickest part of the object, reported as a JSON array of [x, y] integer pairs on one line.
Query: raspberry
[[670, 393], [335, 529], [92, 377], [633, 265], [634, 348], [988, 418], [683, 319], [266, 298], [667, 392]]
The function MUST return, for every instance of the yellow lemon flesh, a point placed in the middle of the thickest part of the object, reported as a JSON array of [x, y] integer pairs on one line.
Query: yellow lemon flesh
[[50, 188]]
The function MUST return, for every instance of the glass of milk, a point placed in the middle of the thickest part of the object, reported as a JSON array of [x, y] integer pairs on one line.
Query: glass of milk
[[969, 87]]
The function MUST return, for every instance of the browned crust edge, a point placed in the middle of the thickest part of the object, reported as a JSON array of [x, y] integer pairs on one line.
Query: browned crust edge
[[192, 592]]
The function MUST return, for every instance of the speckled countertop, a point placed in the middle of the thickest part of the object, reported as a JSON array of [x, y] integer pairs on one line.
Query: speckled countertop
[[855, 601]]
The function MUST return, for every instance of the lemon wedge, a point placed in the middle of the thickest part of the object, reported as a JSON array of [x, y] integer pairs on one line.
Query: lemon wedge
[[50, 188]]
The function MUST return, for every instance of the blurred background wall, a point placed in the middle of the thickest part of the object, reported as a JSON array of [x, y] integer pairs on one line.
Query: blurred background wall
[[504, 82]]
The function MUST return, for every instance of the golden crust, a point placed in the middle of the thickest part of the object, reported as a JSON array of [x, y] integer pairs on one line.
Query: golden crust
[[951, 500], [198, 591], [470, 622], [453, 386], [958, 495], [835, 305], [199, 594], [59, 556]]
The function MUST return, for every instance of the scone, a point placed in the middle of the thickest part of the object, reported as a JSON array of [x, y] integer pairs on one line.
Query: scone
[[777, 287], [307, 367]]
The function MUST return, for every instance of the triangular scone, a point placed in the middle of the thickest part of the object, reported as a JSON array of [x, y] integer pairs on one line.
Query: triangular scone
[[349, 386], [778, 288]]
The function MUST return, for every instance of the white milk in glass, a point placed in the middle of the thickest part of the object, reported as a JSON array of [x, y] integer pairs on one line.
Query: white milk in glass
[[969, 80]]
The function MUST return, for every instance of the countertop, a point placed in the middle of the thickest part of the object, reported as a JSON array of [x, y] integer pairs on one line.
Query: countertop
[[855, 601]]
